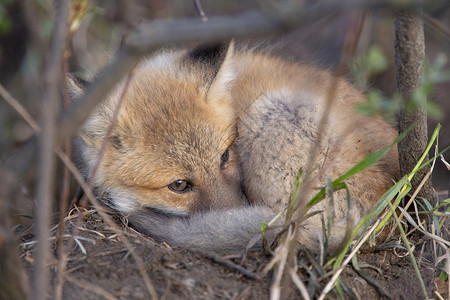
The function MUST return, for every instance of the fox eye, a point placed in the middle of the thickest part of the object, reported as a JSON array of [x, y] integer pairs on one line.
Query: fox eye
[[224, 158], [180, 186]]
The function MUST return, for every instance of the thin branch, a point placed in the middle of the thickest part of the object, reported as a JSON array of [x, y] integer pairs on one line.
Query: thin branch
[[329, 286], [281, 257], [65, 189], [45, 183], [70, 120], [212, 256], [19, 109], [90, 287], [109, 130], [199, 8], [298, 283]]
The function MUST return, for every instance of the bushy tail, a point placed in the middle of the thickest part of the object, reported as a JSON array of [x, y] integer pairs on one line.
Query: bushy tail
[[220, 231]]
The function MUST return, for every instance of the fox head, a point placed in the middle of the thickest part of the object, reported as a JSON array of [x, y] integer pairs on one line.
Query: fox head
[[170, 145]]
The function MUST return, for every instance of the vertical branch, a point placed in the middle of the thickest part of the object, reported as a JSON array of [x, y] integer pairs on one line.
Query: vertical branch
[[45, 185], [65, 189], [409, 60]]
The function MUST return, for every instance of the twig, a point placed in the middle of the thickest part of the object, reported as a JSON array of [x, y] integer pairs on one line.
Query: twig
[[280, 258], [413, 197], [298, 283], [410, 251], [430, 235], [80, 110], [332, 281], [447, 165], [447, 267], [90, 287], [199, 8], [437, 28], [351, 40], [63, 236], [110, 128], [19, 109], [45, 182], [226, 263], [63, 260]]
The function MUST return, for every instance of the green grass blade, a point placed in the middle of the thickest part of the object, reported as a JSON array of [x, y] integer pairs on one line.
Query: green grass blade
[[368, 220], [407, 187], [362, 165], [425, 153], [408, 246]]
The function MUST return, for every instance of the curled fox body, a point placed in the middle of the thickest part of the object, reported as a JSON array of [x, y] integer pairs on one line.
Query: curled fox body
[[208, 142]]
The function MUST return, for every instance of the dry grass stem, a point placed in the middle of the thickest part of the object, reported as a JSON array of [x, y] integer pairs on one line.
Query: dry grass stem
[[299, 284], [90, 287], [422, 182], [438, 295], [227, 263], [110, 128], [199, 8], [19, 109], [430, 235], [447, 165], [280, 258], [335, 277]]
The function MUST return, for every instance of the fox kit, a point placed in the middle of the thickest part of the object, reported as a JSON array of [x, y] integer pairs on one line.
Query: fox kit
[[208, 142]]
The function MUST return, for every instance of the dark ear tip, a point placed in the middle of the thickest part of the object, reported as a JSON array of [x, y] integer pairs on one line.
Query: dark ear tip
[[209, 53]]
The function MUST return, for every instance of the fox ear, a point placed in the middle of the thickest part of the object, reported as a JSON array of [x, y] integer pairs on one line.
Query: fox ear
[[220, 86], [217, 59], [209, 56], [75, 86], [94, 128]]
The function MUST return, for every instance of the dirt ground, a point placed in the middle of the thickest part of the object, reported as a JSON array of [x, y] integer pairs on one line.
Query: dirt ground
[[99, 265]]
